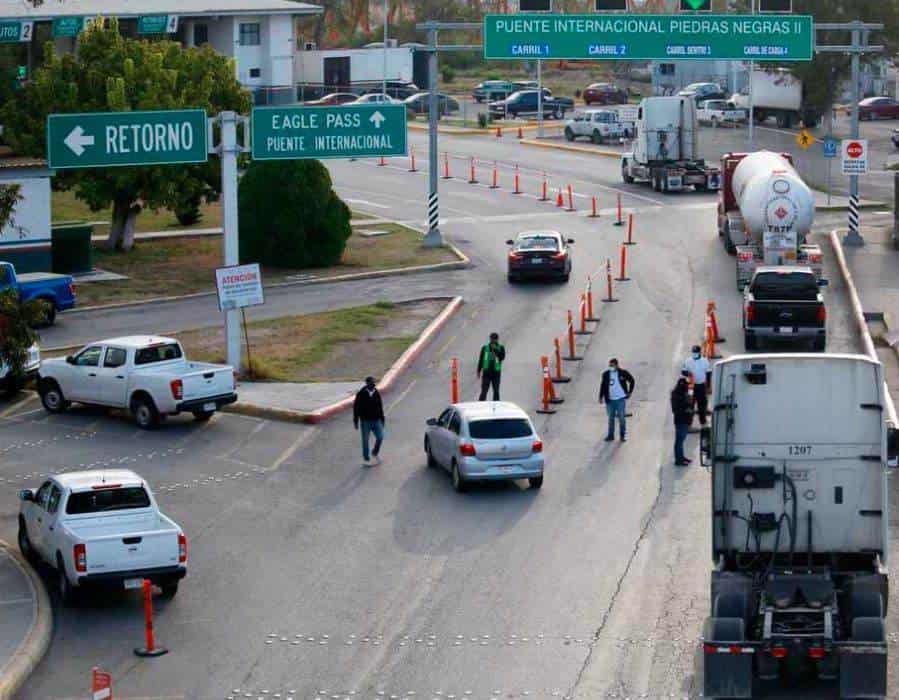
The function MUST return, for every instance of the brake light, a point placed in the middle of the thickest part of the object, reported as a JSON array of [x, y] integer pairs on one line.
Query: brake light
[[815, 258], [467, 450], [821, 314], [105, 487], [513, 255], [750, 312], [726, 649], [817, 653], [72, 288], [779, 652], [745, 256], [182, 548], [537, 447], [559, 256], [79, 553], [177, 387]]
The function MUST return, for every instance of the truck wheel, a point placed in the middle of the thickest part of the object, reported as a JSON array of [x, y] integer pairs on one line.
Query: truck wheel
[[569, 134], [169, 589], [656, 182], [726, 629], [203, 416], [558, 113], [749, 342], [67, 592], [866, 604], [52, 397], [47, 313], [625, 175], [730, 604], [597, 137], [868, 629], [144, 411], [25, 543]]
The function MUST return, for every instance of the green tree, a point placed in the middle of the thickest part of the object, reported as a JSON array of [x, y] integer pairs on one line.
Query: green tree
[[17, 335], [300, 223], [114, 73]]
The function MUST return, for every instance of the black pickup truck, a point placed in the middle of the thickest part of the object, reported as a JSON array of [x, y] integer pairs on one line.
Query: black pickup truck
[[784, 303], [524, 104]]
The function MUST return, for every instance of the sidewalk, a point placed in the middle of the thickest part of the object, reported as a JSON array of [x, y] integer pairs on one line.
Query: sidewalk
[[25, 621]]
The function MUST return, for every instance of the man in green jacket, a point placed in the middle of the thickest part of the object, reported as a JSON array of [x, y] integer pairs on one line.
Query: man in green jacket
[[490, 366]]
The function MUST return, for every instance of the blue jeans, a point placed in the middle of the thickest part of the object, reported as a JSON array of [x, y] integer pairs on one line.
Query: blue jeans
[[371, 426], [616, 408], [680, 434]]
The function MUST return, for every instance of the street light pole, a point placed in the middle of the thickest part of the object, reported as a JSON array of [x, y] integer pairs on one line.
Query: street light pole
[[384, 74], [751, 100]]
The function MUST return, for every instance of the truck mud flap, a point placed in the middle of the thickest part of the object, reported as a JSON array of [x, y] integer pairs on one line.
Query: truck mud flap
[[727, 663], [863, 672]]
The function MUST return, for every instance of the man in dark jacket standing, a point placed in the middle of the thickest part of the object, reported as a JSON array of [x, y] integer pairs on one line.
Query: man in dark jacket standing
[[369, 410], [490, 366], [614, 391], [683, 417]]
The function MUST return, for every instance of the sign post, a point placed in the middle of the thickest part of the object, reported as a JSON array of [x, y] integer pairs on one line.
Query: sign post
[[238, 287], [112, 139], [830, 146]]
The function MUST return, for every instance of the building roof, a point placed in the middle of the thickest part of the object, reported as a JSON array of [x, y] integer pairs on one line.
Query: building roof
[[50, 9]]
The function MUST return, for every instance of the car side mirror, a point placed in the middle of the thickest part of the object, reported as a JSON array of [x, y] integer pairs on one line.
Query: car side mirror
[[893, 447], [570, 241], [431, 422], [510, 242], [26, 495], [823, 283], [70, 359], [705, 446]]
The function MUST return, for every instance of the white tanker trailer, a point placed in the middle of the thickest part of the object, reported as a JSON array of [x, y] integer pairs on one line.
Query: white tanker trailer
[[765, 212]]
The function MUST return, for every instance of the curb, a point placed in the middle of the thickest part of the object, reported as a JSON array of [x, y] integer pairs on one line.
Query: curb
[[32, 649], [573, 149], [452, 130], [460, 264], [386, 383], [859, 313]]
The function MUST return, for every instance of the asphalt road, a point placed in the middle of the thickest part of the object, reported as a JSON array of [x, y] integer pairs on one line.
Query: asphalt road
[[311, 577]]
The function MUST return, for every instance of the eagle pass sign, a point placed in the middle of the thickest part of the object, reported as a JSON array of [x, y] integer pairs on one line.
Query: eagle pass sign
[[649, 37]]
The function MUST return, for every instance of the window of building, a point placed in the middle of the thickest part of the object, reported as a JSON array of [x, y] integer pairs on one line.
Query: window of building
[[249, 34], [201, 34], [255, 72]]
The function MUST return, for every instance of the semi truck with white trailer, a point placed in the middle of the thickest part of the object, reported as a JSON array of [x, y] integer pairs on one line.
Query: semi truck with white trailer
[[666, 148], [798, 448], [765, 213], [779, 94]]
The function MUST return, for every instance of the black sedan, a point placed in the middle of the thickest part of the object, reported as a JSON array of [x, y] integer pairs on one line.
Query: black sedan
[[540, 254], [420, 103]]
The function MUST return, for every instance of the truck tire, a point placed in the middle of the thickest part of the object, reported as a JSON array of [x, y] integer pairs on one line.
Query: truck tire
[[868, 629], [656, 181], [144, 411], [731, 604], [625, 175], [25, 546], [558, 113], [866, 604], [749, 342], [67, 593], [597, 137], [726, 629], [569, 134], [169, 589], [47, 313], [52, 397]]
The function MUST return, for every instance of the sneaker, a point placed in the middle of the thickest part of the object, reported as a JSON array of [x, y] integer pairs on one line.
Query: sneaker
[[623, 438], [609, 438], [366, 462], [375, 461], [682, 462]]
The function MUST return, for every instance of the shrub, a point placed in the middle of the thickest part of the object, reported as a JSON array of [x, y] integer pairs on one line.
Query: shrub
[[483, 120], [448, 74], [16, 334], [289, 216]]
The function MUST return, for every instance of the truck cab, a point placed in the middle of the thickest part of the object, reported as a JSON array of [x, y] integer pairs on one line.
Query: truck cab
[[54, 292], [798, 449]]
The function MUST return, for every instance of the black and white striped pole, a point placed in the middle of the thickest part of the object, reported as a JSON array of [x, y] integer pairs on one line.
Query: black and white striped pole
[[853, 237]]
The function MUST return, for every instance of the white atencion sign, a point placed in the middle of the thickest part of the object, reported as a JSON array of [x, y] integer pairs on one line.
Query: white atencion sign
[[854, 156], [239, 286]]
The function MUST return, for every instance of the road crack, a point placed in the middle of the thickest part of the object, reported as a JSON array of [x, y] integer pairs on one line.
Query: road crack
[[644, 531]]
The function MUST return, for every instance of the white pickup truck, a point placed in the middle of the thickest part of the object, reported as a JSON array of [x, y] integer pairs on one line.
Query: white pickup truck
[[32, 366], [101, 529], [147, 375], [718, 112], [598, 125]]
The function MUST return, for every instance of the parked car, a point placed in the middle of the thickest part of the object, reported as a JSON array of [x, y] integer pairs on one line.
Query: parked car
[[101, 529], [420, 103], [491, 90], [895, 138], [878, 108], [703, 91], [54, 292], [148, 375], [598, 125], [527, 85], [715, 112], [605, 94], [375, 98], [485, 441], [524, 103], [784, 303], [31, 370], [539, 254], [334, 98]]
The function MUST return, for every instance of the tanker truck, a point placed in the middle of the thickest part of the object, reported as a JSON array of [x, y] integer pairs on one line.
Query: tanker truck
[[765, 212]]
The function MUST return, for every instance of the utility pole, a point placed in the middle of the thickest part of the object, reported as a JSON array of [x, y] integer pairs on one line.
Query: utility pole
[[751, 100], [856, 50], [384, 74]]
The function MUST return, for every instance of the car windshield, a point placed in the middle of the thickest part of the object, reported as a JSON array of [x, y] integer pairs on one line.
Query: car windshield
[[106, 499], [499, 428], [538, 243], [157, 353], [794, 286]]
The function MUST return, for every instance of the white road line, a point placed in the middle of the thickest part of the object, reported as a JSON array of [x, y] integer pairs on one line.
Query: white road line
[[368, 203], [401, 396], [12, 409], [15, 601], [302, 438]]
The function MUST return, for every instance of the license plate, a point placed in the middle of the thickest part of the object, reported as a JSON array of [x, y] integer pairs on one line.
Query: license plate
[[536, 261], [507, 470], [132, 583], [209, 406], [785, 331]]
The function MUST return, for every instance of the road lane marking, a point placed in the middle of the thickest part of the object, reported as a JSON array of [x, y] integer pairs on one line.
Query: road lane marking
[[302, 438], [401, 396], [368, 203], [12, 409]]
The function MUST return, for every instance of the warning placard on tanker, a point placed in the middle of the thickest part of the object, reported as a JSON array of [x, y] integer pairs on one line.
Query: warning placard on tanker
[[239, 286]]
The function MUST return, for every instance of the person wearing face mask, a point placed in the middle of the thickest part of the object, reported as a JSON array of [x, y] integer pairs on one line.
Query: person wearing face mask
[[369, 410], [683, 416], [614, 391], [701, 370], [490, 366]]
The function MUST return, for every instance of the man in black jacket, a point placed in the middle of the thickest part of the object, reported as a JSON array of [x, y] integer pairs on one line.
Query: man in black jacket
[[369, 409], [616, 388], [490, 366], [683, 417]]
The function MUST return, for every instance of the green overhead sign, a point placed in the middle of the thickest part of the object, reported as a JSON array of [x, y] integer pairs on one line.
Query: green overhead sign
[[157, 24], [13, 31], [345, 131], [649, 37], [67, 26], [109, 139]]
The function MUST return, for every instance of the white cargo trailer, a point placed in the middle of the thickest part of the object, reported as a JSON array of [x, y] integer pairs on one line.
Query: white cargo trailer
[[777, 94]]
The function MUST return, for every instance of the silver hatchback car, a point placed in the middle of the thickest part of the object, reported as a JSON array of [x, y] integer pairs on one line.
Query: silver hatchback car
[[485, 441]]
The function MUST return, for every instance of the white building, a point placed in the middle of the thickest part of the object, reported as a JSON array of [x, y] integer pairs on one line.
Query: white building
[[258, 34]]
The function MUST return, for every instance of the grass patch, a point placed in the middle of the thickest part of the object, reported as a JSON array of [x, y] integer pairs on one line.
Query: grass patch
[[341, 345], [361, 215], [175, 266]]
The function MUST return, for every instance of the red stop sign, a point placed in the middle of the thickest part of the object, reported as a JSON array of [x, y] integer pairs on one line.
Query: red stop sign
[[854, 150]]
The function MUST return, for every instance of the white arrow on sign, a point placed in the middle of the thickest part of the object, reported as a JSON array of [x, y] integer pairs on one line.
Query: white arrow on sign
[[77, 140], [377, 119]]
